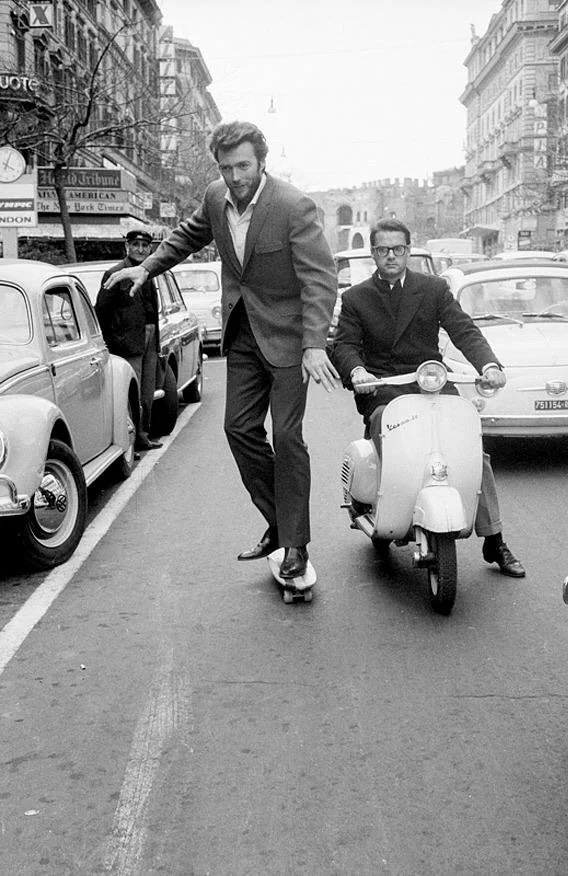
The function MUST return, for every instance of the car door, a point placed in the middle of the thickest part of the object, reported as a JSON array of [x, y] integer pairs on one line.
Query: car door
[[179, 329], [78, 369]]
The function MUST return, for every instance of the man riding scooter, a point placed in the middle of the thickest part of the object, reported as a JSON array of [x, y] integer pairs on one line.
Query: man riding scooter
[[389, 324]]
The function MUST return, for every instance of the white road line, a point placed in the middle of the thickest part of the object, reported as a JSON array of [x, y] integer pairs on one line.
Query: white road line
[[25, 619], [165, 712]]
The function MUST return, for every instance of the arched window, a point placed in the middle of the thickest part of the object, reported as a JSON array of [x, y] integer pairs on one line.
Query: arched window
[[344, 215], [357, 241]]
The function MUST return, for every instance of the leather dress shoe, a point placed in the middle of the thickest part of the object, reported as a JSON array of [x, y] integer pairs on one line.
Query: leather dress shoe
[[146, 444], [267, 544], [294, 562], [505, 559]]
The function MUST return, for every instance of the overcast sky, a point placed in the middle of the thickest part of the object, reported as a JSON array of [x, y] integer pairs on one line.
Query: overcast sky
[[363, 89]]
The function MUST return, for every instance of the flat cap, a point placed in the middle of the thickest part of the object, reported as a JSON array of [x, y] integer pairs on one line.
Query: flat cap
[[145, 236]]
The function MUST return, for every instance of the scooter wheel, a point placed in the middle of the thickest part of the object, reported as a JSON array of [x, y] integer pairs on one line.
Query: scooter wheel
[[443, 574], [381, 546]]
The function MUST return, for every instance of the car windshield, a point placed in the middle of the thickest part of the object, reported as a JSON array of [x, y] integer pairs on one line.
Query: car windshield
[[516, 297], [197, 281], [15, 323], [354, 270]]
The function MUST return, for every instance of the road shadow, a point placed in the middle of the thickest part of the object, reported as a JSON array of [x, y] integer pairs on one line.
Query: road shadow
[[527, 454]]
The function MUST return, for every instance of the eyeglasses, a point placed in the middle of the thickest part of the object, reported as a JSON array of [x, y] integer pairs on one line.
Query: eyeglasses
[[383, 251]]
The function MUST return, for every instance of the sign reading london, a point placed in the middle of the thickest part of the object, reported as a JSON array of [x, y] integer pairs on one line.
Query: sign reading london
[[18, 208]]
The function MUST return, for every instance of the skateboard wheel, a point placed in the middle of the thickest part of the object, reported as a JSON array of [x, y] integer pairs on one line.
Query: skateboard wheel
[[308, 596], [287, 597]]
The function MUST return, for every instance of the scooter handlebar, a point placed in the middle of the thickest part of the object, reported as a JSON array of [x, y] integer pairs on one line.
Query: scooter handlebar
[[461, 377]]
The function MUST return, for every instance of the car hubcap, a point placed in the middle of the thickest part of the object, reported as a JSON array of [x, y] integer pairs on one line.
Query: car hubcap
[[55, 504]]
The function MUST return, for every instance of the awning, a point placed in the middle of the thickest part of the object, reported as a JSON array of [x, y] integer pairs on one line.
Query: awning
[[95, 231], [483, 229]]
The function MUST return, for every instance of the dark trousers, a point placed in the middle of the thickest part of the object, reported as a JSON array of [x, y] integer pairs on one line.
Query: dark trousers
[[145, 368], [277, 476]]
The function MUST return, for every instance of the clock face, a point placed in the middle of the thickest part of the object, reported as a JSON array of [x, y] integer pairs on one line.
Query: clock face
[[12, 164]]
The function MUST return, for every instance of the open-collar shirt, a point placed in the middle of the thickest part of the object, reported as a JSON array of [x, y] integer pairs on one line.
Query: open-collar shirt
[[239, 222]]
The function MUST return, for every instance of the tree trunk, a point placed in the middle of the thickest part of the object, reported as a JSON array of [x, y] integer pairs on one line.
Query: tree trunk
[[59, 184]]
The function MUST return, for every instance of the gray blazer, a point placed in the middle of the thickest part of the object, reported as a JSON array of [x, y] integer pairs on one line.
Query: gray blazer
[[288, 279]]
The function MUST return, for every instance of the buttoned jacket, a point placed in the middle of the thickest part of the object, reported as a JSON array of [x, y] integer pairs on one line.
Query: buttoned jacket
[[364, 333]]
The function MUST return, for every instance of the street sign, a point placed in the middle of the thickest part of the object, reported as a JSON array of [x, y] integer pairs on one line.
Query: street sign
[[41, 14], [18, 203]]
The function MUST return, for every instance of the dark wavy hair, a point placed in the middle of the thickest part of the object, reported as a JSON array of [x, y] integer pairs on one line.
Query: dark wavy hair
[[388, 225], [228, 135]]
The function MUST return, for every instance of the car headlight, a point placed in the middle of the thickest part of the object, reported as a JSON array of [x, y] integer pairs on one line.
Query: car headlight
[[216, 312], [432, 376], [3, 449]]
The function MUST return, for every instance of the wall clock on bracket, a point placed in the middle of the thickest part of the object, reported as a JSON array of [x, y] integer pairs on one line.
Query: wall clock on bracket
[[12, 164]]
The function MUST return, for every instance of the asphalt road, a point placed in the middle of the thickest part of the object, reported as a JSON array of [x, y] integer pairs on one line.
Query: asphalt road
[[170, 714]]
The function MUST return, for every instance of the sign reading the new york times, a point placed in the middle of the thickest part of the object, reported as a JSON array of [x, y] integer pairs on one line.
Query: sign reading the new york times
[[18, 207]]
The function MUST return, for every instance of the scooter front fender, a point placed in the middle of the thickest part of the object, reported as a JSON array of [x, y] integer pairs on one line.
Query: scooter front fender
[[439, 508]]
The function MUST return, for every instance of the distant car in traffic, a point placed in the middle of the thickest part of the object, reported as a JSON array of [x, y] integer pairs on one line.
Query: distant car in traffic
[[510, 254], [444, 260], [521, 306], [68, 410], [181, 350], [355, 265], [200, 286]]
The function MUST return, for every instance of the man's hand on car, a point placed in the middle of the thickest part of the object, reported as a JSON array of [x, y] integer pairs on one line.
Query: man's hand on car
[[137, 275]]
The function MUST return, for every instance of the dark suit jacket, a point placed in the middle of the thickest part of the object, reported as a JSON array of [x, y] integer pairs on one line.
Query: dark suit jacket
[[288, 280], [426, 306], [123, 317]]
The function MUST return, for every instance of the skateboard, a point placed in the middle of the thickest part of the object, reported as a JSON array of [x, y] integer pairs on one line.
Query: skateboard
[[292, 588]]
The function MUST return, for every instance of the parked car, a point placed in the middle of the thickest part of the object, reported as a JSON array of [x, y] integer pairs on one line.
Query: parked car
[[522, 309], [355, 265], [180, 343], [444, 260], [68, 409], [510, 254], [200, 286]]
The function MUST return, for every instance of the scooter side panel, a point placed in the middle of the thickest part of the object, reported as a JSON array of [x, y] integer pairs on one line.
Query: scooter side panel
[[414, 427]]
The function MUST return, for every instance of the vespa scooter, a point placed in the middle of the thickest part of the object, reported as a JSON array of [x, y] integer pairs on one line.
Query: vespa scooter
[[425, 484]]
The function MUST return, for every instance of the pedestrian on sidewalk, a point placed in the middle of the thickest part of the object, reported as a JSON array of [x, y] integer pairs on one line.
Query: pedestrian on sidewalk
[[129, 321]]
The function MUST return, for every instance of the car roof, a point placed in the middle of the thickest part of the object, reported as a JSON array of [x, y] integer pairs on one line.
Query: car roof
[[201, 266], [502, 266], [90, 265], [36, 272], [364, 252]]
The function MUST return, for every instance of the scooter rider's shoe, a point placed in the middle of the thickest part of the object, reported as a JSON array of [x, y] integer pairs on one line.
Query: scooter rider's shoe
[[505, 559], [267, 544], [294, 562]]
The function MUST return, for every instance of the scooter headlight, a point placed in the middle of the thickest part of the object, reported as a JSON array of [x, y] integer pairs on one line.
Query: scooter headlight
[[431, 376]]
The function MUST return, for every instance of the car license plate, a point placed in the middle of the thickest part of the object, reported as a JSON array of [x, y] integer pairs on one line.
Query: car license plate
[[549, 404]]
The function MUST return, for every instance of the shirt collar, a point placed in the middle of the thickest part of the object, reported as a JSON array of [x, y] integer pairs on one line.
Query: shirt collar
[[254, 199], [401, 280]]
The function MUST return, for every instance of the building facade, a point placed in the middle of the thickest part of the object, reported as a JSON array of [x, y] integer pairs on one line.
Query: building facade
[[429, 209], [510, 98], [81, 87]]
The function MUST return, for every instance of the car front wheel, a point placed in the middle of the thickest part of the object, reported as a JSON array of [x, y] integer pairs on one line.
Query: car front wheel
[[194, 391], [165, 410], [52, 528]]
